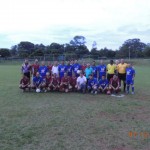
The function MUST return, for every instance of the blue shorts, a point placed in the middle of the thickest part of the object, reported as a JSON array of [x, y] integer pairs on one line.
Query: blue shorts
[[130, 82]]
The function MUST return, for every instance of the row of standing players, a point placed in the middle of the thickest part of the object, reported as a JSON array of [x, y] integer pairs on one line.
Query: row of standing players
[[73, 76]]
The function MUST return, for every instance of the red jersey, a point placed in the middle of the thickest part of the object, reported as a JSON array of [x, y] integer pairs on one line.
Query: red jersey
[[65, 80], [73, 80], [35, 68], [55, 81], [24, 81], [114, 83], [49, 68], [83, 67], [47, 80]]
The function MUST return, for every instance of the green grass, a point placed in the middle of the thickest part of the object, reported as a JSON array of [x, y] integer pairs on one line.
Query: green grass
[[73, 121]]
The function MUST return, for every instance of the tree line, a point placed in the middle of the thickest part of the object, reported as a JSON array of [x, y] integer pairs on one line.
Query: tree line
[[77, 48]]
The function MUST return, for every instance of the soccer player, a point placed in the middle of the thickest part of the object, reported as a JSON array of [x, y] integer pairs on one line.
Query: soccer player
[[35, 67], [130, 74], [92, 84], [65, 82], [54, 85], [103, 85], [114, 85], [55, 69], [88, 71], [101, 69], [69, 69], [49, 66], [26, 68], [43, 70], [121, 68], [111, 70], [94, 67], [62, 69], [83, 67], [81, 83], [76, 67], [47, 82], [38, 82], [73, 82], [24, 83]]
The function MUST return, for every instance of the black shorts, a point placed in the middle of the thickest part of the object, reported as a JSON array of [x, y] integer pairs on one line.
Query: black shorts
[[109, 76], [122, 76], [27, 74]]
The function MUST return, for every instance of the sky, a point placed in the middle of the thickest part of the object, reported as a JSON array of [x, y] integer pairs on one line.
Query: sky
[[108, 22]]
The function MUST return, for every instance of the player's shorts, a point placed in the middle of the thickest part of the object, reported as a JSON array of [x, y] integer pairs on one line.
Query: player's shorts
[[130, 82], [109, 76], [122, 76]]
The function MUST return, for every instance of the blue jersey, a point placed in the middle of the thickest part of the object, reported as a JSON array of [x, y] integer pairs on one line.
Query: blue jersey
[[102, 70], [94, 71], [69, 69], [62, 70], [76, 67], [88, 71], [92, 82], [130, 72], [43, 70], [103, 83], [37, 80]]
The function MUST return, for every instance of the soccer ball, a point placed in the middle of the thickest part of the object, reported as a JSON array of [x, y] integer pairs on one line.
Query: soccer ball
[[38, 90], [78, 71]]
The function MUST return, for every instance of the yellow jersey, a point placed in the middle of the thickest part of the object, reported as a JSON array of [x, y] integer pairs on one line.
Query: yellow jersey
[[122, 68], [111, 69]]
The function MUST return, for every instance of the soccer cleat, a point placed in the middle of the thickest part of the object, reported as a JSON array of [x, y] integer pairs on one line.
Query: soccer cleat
[[132, 93], [127, 92], [95, 92], [92, 92]]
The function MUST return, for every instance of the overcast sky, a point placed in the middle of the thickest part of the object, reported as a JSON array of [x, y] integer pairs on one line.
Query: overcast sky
[[108, 22]]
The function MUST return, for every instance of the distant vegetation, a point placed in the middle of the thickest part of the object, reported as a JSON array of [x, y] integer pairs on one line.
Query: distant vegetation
[[76, 48]]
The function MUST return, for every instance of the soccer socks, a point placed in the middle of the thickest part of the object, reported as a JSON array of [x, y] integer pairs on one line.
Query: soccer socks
[[128, 88], [132, 88], [124, 86]]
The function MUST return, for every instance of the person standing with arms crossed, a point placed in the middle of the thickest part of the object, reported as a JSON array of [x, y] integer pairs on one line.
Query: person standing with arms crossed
[[121, 68]]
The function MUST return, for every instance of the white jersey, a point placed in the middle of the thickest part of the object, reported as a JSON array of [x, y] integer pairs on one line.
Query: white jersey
[[81, 80]]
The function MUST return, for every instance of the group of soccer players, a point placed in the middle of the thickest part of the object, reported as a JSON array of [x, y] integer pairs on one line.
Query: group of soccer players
[[76, 77]]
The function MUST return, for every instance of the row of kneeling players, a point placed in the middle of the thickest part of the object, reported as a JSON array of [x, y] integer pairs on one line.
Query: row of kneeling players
[[68, 84]]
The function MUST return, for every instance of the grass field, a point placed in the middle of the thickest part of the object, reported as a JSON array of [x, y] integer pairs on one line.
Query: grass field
[[73, 121]]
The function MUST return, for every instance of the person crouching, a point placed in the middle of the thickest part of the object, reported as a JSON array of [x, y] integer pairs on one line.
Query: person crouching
[[24, 83]]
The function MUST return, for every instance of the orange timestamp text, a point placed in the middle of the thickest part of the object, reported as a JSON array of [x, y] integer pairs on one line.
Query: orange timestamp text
[[143, 134]]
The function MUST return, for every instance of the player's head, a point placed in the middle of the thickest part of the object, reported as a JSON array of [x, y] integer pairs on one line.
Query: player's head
[[37, 74], [101, 62], [83, 63], [55, 63], [91, 76], [129, 65], [43, 63], [122, 61], [65, 74], [68, 62], [75, 61], [47, 74], [111, 61], [93, 63], [117, 62], [26, 61], [115, 77], [81, 74], [49, 63], [103, 77], [36, 61], [62, 62], [88, 65]]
